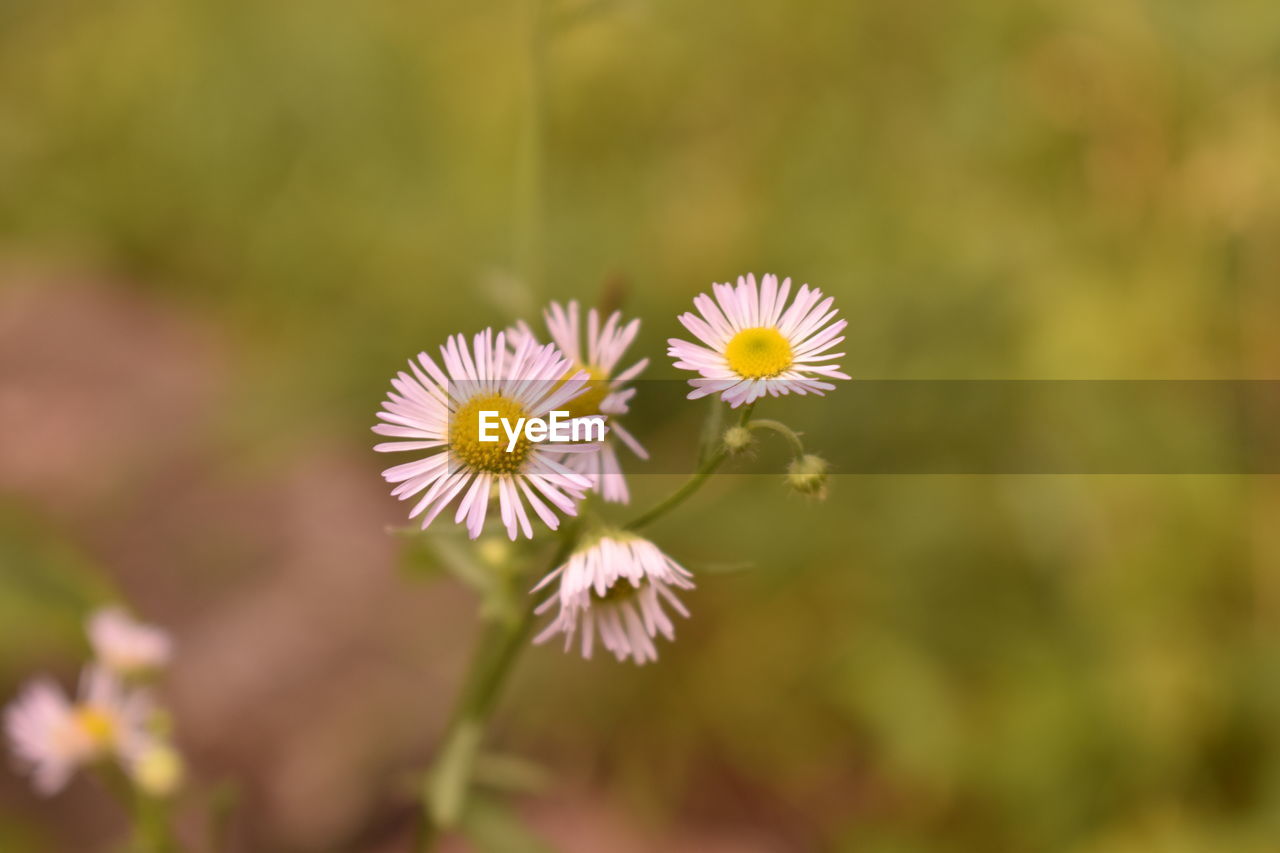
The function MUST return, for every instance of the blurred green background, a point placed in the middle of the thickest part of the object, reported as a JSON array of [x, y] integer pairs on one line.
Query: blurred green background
[[224, 225]]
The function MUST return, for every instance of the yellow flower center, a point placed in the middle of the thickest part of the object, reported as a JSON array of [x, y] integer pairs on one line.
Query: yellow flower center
[[97, 725], [491, 456], [621, 591], [758, 353], [593, 393]]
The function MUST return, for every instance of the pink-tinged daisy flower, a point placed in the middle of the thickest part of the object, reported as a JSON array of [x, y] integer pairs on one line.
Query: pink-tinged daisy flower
[[125, 646], [608, 392], [616, 586], [439, 410], [55, 737], [754, 344]]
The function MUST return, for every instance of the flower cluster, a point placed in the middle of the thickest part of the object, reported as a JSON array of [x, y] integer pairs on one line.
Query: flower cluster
[[112, 717], [755, 341]]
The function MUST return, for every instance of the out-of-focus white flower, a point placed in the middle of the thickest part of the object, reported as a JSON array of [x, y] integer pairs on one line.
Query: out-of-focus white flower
[[753, 344], [54, 736], [609, 392], [434, 409], [125, 646], [616, 586], [157, 769]]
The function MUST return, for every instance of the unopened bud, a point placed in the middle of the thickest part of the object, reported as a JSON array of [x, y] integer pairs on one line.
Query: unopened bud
[[738, 439], [159, 770], [807, 475]]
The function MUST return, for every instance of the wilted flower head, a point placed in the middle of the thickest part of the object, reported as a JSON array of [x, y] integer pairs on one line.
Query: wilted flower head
[[616, 585], [753, 344], [54, 736], [125, 646], [608, 393], [438, 410]]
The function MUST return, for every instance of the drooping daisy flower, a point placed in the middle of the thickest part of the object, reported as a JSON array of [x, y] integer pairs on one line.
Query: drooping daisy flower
[[55, 736], [607, 393], [616, 586], [753, 344], [125, 646], [438, 410]]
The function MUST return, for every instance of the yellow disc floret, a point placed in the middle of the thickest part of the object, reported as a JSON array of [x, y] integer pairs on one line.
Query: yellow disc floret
[[593, 393], [98, 726], [758, 353], [622, 590], [491, 456]]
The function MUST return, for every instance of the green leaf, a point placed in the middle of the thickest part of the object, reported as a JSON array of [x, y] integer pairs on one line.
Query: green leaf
[[510, 773], [494, 828], [447, 787]]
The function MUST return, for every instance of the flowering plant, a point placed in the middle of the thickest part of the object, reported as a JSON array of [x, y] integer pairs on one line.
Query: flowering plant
[[605, 581], [598, 581], [113, 725]]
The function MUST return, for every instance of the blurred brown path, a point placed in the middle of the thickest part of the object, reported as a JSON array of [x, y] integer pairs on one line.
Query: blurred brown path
[[308, 669]]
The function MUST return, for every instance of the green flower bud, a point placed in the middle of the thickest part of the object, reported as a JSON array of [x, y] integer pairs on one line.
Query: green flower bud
[[738, 439], [807, 475], [159, 770]]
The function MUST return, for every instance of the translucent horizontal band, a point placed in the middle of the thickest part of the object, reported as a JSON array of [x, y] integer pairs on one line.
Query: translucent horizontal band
[[991, 427]]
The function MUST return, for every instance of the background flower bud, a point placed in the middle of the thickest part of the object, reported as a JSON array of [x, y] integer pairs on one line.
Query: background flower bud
[[159, 770]]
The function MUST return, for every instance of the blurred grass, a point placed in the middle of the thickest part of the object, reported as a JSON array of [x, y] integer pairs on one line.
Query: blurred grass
[[46, 589], [990, 189]]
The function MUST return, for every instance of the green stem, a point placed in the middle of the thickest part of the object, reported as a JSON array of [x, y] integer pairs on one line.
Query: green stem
[[449, 780], [783, 430], [708, 467], [152, 830], [712, 436], [680, 495]]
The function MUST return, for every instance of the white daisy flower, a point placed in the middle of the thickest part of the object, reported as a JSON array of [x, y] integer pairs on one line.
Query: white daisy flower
[[753, 344], [434, 409], [55, 736], [616, 586], [125, 646], [608, 393]]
